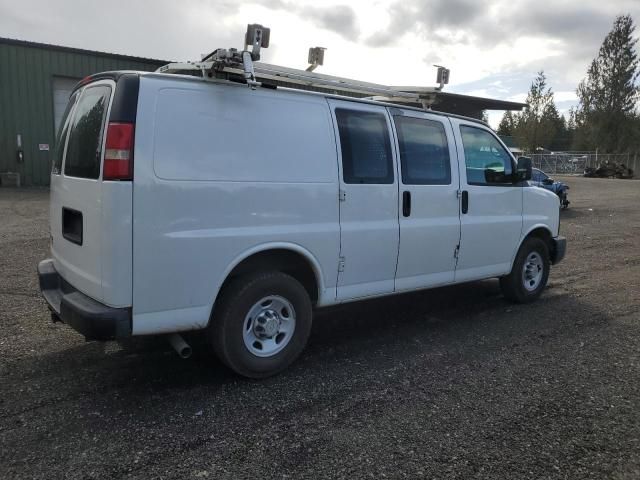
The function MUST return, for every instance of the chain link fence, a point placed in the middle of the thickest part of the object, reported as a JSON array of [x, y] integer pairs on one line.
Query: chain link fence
[[575, 163]]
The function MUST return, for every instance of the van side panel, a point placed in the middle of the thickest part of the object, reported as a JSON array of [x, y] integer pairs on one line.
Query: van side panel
[[221, 171]]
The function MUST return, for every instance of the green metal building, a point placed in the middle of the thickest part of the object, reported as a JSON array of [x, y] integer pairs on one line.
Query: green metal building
[[35, 82]]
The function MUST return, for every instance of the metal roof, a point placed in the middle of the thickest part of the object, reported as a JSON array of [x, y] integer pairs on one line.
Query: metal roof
[[60, 48], [453, 100], [459, 103]]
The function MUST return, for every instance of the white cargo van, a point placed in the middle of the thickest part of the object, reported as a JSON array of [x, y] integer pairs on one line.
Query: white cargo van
[[183, 203]]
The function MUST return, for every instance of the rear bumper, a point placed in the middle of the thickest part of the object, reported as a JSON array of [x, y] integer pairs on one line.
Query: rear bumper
[[91, 318], [559, 249]]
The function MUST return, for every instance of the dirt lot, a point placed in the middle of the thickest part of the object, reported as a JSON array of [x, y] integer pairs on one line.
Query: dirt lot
[[451, 383]]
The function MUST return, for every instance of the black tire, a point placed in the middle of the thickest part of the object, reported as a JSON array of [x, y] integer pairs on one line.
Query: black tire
[[513, 285], [226, 328]]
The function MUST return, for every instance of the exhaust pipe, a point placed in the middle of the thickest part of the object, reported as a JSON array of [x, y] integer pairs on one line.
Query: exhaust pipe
[[181, 347]]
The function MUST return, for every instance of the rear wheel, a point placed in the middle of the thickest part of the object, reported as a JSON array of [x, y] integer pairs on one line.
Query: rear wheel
[[261, 323], [529, 274]]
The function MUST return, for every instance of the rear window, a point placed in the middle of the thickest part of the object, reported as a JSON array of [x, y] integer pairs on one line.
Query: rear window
[[85, 136], [62, 136]]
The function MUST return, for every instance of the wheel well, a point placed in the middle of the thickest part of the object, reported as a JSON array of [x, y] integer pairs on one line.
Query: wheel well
[[282, 260], [544, 235]]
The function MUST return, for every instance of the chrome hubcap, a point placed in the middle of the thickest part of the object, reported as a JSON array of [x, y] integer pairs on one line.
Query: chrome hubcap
[[532, 271], [269, 326]]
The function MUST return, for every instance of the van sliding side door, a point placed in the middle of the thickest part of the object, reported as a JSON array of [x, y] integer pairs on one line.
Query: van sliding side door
[[369, 230]]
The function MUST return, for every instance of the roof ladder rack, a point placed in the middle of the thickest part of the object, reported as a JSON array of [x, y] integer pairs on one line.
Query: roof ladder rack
[[243, 66]]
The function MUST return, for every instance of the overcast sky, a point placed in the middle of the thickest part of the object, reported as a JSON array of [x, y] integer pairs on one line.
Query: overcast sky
[[493, 48]]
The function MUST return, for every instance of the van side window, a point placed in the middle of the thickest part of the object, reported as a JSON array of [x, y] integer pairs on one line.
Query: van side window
[[366, 147], [488, 163], [62, 136], [424, 153], [85, 135]]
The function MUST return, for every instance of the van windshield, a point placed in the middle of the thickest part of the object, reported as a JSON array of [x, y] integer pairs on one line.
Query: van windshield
[[85, 136]]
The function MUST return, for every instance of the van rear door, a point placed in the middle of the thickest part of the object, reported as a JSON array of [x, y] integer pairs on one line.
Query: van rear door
[[90, 219]]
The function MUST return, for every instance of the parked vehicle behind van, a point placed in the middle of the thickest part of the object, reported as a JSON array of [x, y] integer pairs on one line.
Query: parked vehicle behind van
[[180, 204], [561, 189]]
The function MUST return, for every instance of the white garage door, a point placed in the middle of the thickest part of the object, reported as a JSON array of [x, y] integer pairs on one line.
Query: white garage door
[[62, 87]]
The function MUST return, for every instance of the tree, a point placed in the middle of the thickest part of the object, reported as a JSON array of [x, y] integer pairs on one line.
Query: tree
[[507, 124], [571, 123], [606, 115], [554, 126], [537, 124], [564, 136], [550, 125]]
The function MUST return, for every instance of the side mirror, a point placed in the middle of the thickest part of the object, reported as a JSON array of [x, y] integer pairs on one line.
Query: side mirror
[[523, 169], [548, 181]]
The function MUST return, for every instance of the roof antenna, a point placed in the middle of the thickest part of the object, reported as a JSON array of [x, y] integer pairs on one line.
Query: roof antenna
[[316, 58]]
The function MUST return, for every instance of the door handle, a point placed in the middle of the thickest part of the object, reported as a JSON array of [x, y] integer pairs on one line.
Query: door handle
[[465, 201], [406, 204]]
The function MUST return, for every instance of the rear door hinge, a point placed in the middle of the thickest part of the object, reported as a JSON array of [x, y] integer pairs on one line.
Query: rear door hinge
[[341, 264], [342, 195], [456, 252], [459, 193]]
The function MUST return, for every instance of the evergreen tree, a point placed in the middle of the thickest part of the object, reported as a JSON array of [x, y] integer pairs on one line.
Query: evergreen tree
[[607, 115], [507, 124], [536, 125], [550, 126], [563, 136], [571, 123]]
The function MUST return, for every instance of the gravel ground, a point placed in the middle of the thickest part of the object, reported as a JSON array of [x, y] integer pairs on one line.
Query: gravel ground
[[449, 383]]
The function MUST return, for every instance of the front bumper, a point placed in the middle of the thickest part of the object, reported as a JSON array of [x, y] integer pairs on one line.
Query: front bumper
[[91, 318], [558, 249]]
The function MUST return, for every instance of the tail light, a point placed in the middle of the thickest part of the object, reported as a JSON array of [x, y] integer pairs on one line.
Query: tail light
[[118, 154]]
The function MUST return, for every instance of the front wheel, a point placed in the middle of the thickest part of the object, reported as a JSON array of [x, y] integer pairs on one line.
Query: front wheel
[[261, 323], [529, 274]]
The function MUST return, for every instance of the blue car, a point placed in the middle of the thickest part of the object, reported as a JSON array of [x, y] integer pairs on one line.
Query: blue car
[[541, 179]]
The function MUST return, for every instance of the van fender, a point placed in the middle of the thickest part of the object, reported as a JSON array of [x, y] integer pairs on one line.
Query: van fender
[[524, 237], [294, 247]]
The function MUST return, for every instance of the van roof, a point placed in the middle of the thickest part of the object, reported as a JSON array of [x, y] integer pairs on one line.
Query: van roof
[[114, 75]]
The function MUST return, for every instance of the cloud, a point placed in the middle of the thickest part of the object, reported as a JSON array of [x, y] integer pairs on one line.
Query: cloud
[[499, 20], [162, 29], [437, 21], [340, 19], [578, 27], [503, 40]]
